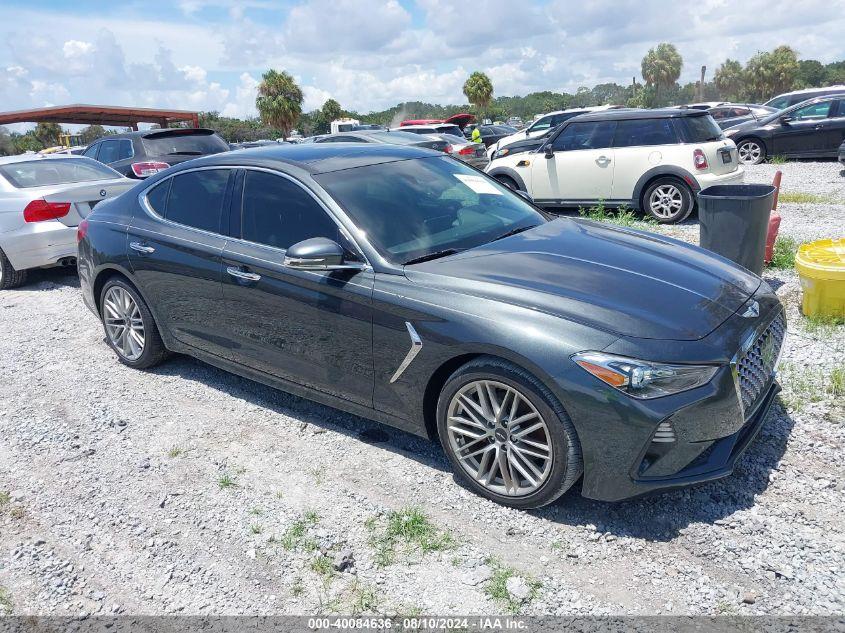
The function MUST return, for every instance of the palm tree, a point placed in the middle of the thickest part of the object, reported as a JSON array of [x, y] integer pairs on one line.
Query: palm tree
[[772, 73], [279, 100], [730, 80], [479, 91], [661, 67]]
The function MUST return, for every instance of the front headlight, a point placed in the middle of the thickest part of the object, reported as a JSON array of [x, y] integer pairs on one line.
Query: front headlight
[[643, 379]]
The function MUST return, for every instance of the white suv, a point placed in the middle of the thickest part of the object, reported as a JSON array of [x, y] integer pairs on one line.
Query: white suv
[[651, 160], [544, 123]]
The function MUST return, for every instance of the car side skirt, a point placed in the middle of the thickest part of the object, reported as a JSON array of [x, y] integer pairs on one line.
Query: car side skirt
[[571, 202]]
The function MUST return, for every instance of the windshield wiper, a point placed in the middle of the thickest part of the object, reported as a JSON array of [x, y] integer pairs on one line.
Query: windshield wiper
[[514, 232], [430, 256]]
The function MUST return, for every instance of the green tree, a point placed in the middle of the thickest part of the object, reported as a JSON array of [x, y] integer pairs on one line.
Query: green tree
[[811, 73], [91, 133], [769, 74], [7, 144], [661, 68], [279, 100], [47, 134], [730, 80], [330, 111], [478, 89]]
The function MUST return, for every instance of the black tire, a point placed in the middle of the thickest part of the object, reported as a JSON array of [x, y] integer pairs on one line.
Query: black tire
[[567, 464], [746, 146], [507, 181], [154, 351], [658, 212], [9, 277]]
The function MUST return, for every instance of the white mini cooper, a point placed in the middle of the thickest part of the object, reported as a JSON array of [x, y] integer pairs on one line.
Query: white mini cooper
[[651, 160]]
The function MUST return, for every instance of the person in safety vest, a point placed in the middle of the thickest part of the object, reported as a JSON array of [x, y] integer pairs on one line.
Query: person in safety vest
[[476, 135]]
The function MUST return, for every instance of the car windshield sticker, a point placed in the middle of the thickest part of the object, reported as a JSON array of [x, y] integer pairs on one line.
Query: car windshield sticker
[[478, 184]]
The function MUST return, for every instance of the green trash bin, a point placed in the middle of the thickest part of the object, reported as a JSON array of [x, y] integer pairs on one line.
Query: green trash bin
[[734, 222]]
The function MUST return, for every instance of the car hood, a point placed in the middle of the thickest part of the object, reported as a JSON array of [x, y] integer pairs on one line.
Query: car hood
[[627, 282]]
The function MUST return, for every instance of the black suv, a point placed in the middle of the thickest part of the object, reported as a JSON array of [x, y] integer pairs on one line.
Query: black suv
[[144, 153]]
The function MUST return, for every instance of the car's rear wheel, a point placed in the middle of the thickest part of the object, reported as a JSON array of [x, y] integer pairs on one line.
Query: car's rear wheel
[[130, 328], [507, 436], [9, 277], [751, 151], [668, 200]]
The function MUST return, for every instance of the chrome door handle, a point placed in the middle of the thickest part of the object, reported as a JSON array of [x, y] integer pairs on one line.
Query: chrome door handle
[[602, 160], [242, 274], [137, 246]]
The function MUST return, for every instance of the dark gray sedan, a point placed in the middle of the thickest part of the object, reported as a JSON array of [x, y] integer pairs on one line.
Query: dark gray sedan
[[401, 285]]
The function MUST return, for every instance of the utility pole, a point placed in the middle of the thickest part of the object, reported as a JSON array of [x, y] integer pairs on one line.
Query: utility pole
[[701, 84]]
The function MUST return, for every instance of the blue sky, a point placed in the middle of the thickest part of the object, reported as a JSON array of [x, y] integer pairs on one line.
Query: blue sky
[[370, 54]]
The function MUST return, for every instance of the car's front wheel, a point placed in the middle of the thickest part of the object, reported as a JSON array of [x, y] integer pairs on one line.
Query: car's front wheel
[[506, 435], [130, 328], [751, 151], [668, 200], [9, 277]]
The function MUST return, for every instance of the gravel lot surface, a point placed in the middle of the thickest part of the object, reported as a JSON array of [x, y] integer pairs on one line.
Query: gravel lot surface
[[189, 490]]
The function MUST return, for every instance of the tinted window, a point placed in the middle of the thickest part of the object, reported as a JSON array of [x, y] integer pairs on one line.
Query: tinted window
[[543, 123], [157, 197], [780, 103], [279, 213], [108, 152], [450, 129], [196, 199], [839, 110], [587, 135], [179, 142], [55, 171], [412, 208], [699, 129], [91, 152], [814, 111], [125, 149], [645, 132]]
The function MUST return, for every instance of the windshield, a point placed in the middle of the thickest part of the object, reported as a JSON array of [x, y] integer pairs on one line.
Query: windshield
[[411, 209], [56, 171], [198, 144]]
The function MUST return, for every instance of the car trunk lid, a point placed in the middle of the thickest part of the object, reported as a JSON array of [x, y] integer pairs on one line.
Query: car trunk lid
[[84, 196]]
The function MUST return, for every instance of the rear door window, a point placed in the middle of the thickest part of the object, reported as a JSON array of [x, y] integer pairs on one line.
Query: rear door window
[[109, 151], [196, 198], [639, 132], [279, 213], [813, 111]]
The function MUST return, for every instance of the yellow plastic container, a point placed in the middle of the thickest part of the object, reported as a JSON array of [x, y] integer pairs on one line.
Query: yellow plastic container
[[821, 268]]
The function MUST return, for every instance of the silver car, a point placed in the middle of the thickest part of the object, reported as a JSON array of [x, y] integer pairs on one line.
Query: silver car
[[43, 199]]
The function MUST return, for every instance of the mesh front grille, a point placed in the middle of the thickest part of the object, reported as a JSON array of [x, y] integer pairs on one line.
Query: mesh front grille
[[756, 365]]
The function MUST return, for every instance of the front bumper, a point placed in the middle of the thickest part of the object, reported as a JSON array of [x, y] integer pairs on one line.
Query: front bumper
[[39, 244], [633, 447]]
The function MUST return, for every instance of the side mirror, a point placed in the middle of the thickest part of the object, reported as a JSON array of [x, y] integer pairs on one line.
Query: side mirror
[[318, 253], [786, 119], [548, 151]]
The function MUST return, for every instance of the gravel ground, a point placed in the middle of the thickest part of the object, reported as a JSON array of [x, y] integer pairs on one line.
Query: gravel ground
[[189, 490]]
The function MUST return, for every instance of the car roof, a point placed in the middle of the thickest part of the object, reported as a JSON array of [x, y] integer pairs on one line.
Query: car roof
[[316, 158], [166, 131], [828, 89], [21, 158], [637, 113]]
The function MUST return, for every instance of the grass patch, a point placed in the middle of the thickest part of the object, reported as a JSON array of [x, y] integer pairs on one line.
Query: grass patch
[[256, 512], [363, 599], [623, 216], [412, 530], [295, 537], [497, 587], [778, 159], [807, 385], [227, 481], [5, 601], [783, 254], [322, 566], [174, 452], [256, 528], [822, 324], [297, 588], [802, 197], [5, 498]]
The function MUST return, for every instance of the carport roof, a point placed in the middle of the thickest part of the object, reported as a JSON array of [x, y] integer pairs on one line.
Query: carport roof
[[100, 115]]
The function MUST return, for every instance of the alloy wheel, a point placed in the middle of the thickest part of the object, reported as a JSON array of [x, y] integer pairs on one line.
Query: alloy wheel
[[499, 438], [750, 153], [666, 201], [124, 325]]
